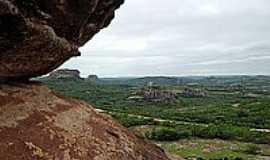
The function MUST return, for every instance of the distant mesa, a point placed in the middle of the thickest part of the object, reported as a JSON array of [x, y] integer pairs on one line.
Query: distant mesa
[[65, 74], [70, 74]]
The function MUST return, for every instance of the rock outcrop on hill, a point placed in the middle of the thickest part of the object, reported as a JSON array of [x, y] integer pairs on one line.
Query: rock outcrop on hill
[[36, 36], [36, 123], [65, 74], [154, 93]]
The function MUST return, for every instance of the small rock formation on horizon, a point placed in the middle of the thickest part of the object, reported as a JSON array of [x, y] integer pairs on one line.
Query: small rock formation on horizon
[[36, 36], [73, 74]]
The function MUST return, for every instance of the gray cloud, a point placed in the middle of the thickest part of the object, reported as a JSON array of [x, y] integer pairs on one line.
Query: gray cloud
[[187, 37]]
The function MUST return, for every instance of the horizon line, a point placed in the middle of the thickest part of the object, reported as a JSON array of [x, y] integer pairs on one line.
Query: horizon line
[[171, 76]]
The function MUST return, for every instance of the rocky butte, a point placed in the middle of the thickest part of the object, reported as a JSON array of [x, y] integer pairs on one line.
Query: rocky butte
[[65, 74], [36, 36]]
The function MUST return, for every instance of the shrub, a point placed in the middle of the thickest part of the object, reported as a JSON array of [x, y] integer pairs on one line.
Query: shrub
[[167, 134], [252, 149]]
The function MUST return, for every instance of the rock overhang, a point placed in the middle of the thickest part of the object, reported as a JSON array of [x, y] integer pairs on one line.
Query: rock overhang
[[37, 36]]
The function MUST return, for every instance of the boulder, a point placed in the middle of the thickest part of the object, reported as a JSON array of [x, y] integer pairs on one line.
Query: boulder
[[36, 36]]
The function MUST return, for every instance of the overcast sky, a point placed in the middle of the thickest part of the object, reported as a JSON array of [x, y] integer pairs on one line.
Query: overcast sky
[[181, 37]]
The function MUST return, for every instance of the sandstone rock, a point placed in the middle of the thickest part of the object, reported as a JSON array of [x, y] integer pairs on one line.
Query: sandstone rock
[[36, 36], [154, 93], [36, 123]]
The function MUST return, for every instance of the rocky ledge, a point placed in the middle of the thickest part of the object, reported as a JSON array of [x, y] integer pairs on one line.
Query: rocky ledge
[[36, 123]]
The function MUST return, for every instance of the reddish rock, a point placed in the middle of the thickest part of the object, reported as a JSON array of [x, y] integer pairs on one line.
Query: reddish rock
[[36, 123], [36, 36]]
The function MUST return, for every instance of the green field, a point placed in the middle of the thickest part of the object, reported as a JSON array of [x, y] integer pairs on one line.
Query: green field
[[216, 148], [234, 117]]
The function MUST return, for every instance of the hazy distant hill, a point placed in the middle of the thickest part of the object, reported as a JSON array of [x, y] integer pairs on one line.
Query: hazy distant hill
[[237, 80], [190, 80]]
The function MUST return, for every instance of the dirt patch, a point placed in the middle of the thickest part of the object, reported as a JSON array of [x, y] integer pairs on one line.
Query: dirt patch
[[6, 100]]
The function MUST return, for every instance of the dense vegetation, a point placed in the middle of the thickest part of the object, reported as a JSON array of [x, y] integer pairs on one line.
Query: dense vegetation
[[225, 132]]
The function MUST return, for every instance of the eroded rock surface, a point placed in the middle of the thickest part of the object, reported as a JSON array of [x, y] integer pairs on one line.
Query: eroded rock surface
[[36, 123], [36, 36]]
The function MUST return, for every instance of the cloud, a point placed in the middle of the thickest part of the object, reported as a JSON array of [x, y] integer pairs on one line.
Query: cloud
[[157, 37]]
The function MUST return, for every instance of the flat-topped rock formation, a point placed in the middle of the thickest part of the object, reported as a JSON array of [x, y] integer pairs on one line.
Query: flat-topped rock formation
[[65, 74]]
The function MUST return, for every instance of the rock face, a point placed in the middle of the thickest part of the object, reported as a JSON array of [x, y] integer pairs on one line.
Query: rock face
[[65, 74], [36, 36], [36, 123], [154, 93]]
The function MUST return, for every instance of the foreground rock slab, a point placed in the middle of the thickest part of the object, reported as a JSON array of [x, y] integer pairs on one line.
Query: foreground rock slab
[[37, 36], [36, 123]]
